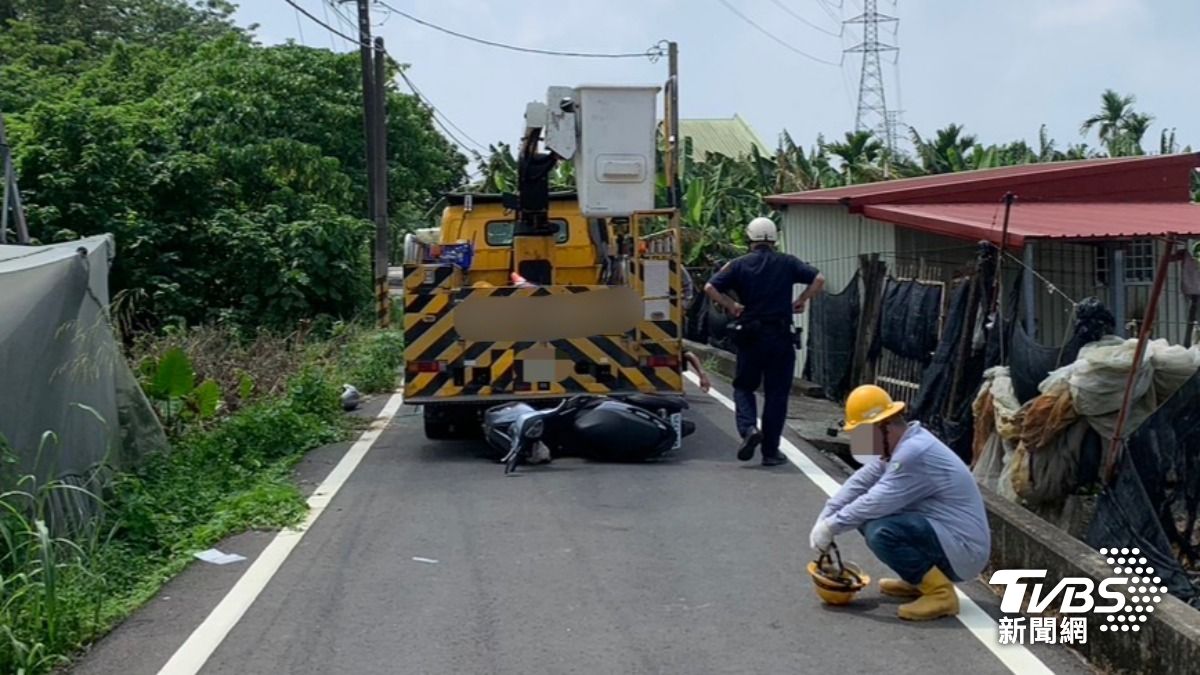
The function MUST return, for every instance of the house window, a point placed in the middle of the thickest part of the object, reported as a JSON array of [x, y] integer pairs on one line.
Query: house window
[[1102, 272], [1139, 262]]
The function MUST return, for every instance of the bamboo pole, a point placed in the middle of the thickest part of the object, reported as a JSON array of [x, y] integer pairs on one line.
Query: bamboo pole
[[1118, 441]]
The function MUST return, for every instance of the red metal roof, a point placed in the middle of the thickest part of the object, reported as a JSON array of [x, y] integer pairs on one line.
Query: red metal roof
[[1127, 179], [1044, 220]]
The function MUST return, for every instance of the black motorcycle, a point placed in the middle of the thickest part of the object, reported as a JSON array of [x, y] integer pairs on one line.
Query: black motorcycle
[[617, 428]]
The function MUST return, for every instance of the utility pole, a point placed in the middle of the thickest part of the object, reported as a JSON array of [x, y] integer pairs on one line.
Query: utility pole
[[368, 78], [382, 244], [674, 171], [374, 76], [872, 114]]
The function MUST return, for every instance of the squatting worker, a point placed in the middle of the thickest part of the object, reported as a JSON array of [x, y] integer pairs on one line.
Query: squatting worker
[[917, 505], [763, 280]]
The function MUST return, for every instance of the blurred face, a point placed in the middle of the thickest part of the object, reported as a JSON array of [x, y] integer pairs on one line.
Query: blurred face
[[887, 435], [879, 445]]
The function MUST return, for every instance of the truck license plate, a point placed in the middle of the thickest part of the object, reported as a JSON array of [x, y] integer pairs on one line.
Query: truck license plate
[[677, 423]]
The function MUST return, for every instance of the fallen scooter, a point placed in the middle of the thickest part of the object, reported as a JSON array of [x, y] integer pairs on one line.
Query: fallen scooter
[[621, 428]]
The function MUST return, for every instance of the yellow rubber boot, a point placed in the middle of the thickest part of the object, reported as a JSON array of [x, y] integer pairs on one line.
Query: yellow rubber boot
[[938, 599], [898, 588]]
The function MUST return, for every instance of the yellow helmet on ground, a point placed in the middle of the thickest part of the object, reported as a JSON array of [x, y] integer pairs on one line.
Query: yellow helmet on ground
[[836, 583], [869, 404]]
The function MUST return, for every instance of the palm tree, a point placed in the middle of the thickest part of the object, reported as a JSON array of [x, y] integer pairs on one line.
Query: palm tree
[[947, 151], [1133, 129], [859, 153], [1046, 151], [1115, 111], [1166, 143]]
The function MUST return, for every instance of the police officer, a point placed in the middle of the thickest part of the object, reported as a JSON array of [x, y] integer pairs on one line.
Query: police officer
[[763, 280]]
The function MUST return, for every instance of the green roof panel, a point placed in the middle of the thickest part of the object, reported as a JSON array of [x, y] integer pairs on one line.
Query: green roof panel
[[731, 137]]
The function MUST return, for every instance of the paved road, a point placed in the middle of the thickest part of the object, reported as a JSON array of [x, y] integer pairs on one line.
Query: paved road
[[689, 566]]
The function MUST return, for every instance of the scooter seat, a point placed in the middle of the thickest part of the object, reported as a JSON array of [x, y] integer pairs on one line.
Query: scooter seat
[[672, 404]]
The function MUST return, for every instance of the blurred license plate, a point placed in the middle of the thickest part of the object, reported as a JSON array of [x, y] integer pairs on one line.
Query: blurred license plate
[[539, 364], [537, 370], [677, 423]]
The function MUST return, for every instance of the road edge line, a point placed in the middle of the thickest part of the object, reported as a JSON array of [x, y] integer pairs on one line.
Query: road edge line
[[1015, 657], [194, 653]]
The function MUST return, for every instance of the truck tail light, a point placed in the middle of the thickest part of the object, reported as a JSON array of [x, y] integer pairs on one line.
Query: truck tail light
[[429, 366], [661, 361]]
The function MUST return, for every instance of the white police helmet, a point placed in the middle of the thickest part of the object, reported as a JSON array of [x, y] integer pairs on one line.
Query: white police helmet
[[762, 229]]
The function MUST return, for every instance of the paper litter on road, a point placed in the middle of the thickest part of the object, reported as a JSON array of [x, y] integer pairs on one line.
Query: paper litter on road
[[428, 561], [216, 557]]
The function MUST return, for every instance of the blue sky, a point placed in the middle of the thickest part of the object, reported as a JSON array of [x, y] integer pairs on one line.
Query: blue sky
[[1002, 68]]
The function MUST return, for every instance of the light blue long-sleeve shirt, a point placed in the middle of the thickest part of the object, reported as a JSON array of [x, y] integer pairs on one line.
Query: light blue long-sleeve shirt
[[926, 478]]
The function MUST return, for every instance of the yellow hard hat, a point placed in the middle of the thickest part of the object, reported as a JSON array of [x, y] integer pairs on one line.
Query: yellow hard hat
[[869, 404], [836, 584]]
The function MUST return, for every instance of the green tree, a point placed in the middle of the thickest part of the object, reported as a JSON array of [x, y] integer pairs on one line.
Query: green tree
[[859, 155], [101, 25], [1133, 130], [1119, 127], [232, 175], [946, 151], [1114, 108], [797, 171]]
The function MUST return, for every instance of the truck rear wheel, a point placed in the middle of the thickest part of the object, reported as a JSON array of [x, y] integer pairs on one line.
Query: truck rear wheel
[[445, 422], [437, 431]]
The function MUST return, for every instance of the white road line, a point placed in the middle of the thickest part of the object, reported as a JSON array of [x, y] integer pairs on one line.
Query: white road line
[[1015, 657], [195, 652]]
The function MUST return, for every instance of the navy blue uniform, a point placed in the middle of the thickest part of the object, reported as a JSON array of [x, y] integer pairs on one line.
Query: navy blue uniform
[[764, 281]]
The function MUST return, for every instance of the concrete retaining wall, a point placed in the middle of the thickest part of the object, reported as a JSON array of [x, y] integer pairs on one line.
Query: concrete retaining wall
[[1169, 641]]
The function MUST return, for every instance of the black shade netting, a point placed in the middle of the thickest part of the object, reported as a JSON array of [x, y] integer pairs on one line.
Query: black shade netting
[[909, 319], [1031, 362], [936, 382], [832, 330], [1125, 518], [1165, 451]]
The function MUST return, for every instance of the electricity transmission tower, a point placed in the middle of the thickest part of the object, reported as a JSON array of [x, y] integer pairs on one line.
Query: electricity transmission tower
[[873, 114]]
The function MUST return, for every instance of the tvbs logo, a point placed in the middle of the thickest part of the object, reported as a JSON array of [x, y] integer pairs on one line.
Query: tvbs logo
[[1077, 593], [1127, 599]]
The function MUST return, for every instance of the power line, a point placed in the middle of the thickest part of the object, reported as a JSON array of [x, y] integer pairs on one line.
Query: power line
[[654, 52], [325, 25], [801, 19], [300, 27], [834, 11], [325, 11], [846, 82], [403, 75], [344, 20], [767, 33]]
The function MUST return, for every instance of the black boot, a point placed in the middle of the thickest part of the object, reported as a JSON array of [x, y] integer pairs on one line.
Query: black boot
[[749, 445], [774, 459]]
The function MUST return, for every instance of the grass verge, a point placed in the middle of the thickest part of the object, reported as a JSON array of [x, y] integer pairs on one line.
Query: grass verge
[[223, 476]]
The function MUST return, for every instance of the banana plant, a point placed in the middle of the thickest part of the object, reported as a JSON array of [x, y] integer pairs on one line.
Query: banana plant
[[170, 383]]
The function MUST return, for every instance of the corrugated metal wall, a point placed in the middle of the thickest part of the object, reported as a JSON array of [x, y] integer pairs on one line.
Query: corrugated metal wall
[[831, 239], [1171, 322]]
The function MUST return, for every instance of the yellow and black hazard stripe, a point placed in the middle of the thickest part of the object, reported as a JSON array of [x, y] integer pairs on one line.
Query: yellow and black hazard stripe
[[424, 278], [442, 366], [671, 328]]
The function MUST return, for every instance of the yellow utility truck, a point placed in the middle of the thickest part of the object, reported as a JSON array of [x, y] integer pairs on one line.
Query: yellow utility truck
[[538, 296]]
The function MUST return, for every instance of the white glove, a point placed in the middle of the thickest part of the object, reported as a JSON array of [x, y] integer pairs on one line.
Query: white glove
[[821, 536]]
